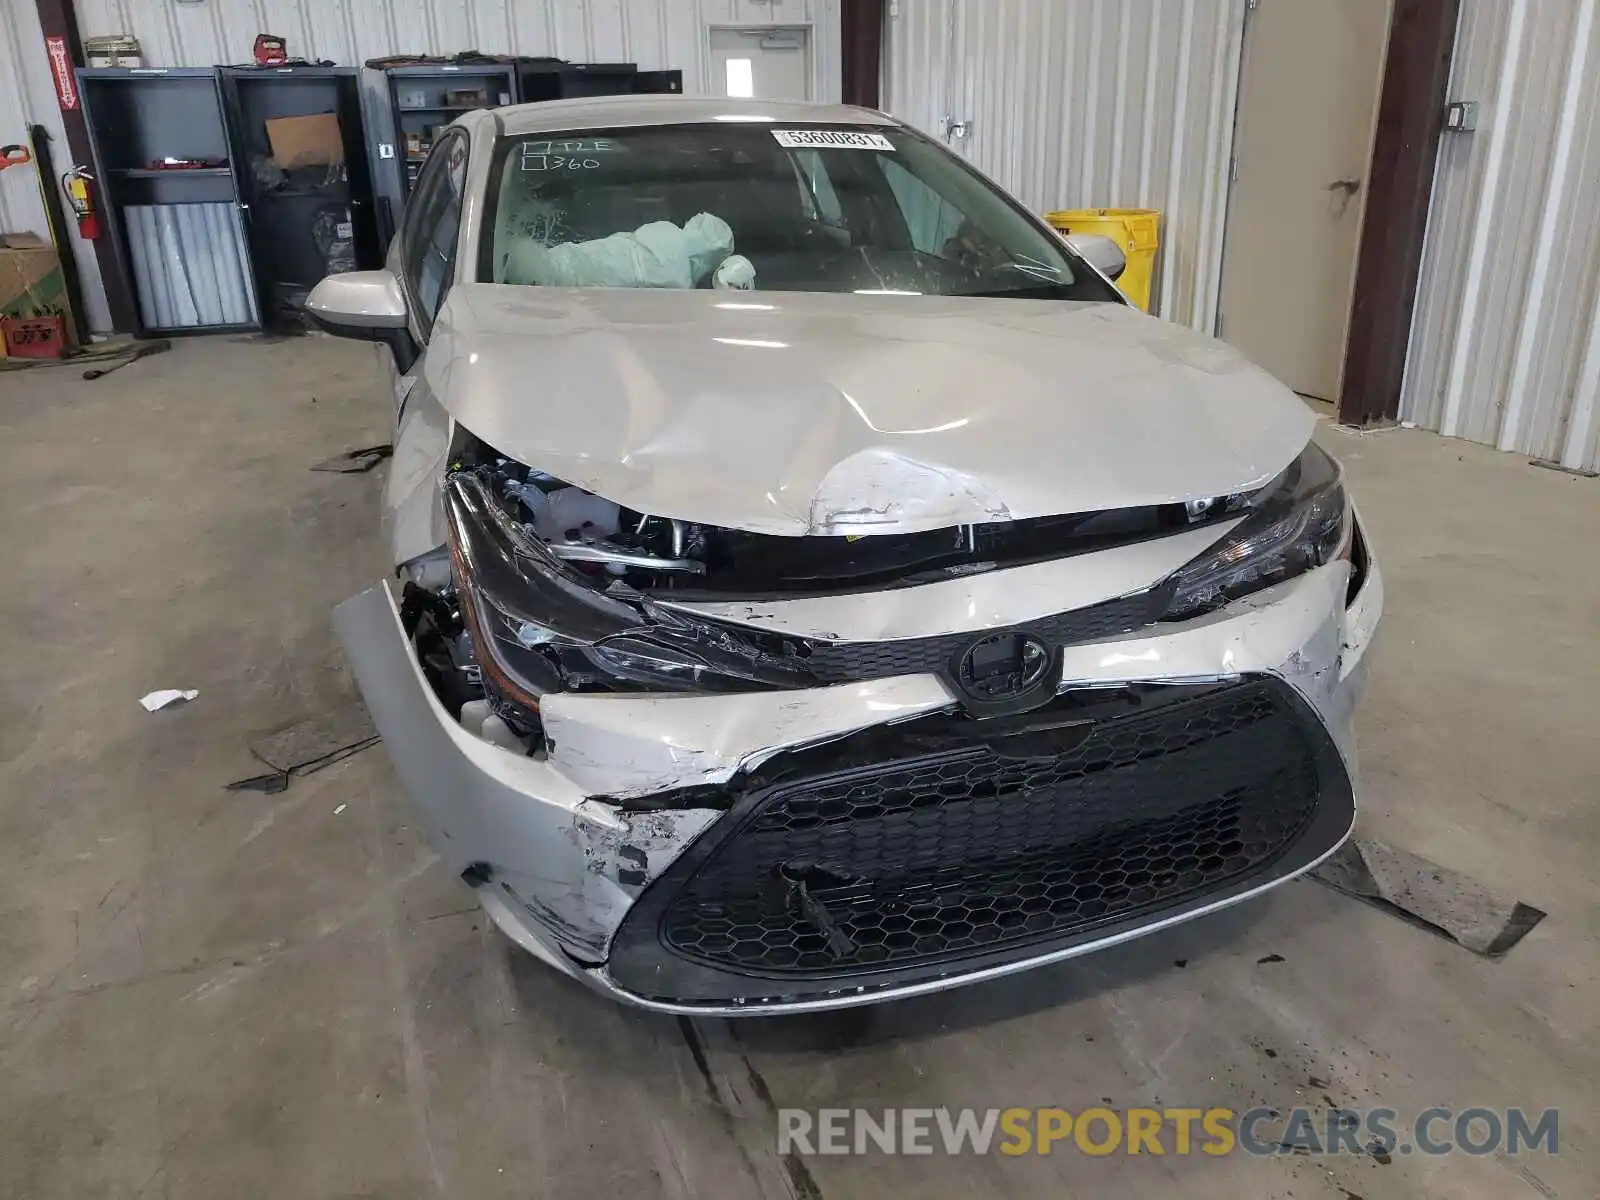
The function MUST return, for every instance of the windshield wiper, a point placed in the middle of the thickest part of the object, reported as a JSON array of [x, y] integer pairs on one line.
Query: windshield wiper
[[1035, 269]]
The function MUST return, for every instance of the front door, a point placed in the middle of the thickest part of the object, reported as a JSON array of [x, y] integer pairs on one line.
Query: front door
[[1308, 100]]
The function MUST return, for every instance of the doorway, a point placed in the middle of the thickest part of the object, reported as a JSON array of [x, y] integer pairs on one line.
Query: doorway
[[1308, 99], [761, 63]]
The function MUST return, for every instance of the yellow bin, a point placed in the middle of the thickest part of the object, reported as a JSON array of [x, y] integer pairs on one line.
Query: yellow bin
[[1136, 230]]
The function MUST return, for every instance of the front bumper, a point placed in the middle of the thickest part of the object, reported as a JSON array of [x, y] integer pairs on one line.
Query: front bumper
[[561, 846]]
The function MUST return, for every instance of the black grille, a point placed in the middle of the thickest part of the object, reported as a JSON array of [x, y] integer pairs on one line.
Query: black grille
[[846, 662], [983, 850]]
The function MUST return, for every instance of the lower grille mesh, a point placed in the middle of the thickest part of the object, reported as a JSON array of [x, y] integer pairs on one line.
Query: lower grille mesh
[[925, 858]]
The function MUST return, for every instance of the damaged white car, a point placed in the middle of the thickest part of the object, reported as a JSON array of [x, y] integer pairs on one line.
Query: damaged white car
[[814, 582]]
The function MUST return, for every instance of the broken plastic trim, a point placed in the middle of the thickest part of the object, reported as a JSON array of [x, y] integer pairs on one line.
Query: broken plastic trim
[[1037, 735], [538, 627], [663, 557]]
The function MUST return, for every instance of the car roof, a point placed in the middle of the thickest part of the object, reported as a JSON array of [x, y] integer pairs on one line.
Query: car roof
[[596, 112]]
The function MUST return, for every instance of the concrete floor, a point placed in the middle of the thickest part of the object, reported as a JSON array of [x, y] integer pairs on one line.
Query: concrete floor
[[209, 994]]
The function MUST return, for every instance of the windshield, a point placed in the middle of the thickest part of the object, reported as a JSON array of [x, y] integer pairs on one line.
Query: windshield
[[737, 205]]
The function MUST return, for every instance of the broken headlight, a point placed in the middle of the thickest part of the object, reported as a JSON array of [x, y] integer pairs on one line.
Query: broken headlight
[[1299, 521], [539, 625]]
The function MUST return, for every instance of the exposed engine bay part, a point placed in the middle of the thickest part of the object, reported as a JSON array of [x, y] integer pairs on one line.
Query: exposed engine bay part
[[433, 623], [430, 570], [586, 550], [579, 527]]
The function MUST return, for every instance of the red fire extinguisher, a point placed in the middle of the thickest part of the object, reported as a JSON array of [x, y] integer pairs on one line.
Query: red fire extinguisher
[[75, 183]]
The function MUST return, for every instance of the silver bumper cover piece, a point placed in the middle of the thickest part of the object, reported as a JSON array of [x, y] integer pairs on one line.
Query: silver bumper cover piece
[[562, 844]]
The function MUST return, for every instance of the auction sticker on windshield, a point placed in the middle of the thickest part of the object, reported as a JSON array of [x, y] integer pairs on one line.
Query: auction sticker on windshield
[[831, 139]]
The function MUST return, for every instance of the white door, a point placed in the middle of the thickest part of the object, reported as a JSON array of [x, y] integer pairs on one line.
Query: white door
[[763, 64], [1308, 101]]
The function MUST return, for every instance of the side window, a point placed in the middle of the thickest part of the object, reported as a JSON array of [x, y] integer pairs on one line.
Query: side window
[[432, 221], [930, 219]]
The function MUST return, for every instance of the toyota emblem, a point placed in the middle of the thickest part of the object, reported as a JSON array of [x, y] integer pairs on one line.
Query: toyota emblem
[[1005, 672]]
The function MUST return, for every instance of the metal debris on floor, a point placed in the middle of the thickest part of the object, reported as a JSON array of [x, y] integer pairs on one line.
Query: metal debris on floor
[[129, 353], [356, 462], [113, 353], [1436, 898], [1550, 464], [309, 746]]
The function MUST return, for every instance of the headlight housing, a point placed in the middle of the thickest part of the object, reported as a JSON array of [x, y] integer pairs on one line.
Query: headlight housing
[[1299, 521], [538, 627]]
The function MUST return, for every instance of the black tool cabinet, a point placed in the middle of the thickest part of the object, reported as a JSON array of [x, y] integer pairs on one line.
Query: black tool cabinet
[[309, 222], [407, 106], [556, 79], [214, 235], [175, 229]]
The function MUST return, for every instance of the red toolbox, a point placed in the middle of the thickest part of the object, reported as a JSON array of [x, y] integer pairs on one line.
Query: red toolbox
[[34, 337]]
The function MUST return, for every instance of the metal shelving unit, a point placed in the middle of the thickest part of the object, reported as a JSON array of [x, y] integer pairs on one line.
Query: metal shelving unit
[[178, 231]]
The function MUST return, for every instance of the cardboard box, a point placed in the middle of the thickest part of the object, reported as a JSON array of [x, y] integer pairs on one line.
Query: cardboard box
[[305, 141], [477, 97], [31, 282]]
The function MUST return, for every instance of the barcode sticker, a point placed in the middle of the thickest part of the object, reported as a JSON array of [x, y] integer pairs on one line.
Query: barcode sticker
[[831, 139]]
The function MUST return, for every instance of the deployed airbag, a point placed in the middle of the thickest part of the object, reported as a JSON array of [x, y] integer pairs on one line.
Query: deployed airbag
[[656, 255]]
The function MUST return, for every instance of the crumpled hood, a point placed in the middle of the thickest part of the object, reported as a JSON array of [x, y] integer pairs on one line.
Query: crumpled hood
[[813, 413]]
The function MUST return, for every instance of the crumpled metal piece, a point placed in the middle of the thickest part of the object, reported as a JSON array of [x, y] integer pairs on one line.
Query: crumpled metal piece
[[1443, 901], [308, 746], [355, 462]]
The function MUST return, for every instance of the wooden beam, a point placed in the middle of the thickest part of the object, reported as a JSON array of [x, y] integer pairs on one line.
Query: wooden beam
[[1422, 40], [60, 24]]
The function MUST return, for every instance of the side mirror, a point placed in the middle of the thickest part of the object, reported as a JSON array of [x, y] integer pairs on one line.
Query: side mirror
[[366, 305], [1103, 253]]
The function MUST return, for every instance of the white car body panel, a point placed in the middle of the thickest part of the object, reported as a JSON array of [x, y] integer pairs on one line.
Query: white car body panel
[[818, 413]]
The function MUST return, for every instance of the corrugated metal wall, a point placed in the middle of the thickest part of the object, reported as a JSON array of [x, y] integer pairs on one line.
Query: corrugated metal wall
[[656, 34], [1088, 103], [1505, 346], [19, 198]]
